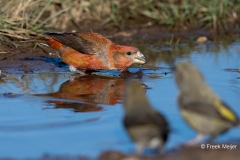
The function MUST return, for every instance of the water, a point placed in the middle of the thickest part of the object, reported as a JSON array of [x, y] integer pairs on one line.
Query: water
[[45, 113]]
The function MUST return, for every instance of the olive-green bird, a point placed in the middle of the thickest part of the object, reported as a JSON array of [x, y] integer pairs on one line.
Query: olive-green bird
[[200, 107], [147, 127]]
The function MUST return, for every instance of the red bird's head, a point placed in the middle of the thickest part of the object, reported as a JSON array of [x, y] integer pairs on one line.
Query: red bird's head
[[124, 56]]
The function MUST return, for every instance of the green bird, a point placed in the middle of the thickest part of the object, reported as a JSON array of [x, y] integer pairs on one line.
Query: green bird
[[147, 127], [200, 107]]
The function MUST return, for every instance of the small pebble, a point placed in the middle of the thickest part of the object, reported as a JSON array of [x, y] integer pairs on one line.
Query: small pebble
[[201, 40]]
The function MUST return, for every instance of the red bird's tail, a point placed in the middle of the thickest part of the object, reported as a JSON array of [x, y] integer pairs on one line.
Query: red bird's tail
[[47, 41]]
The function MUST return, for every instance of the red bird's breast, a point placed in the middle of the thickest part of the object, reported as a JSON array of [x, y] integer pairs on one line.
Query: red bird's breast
[[83, 61]]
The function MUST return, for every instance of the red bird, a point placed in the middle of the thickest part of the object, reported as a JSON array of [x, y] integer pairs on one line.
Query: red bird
[[92, 51]]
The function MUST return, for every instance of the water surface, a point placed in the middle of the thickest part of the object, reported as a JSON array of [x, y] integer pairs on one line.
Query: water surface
[[46, 113]]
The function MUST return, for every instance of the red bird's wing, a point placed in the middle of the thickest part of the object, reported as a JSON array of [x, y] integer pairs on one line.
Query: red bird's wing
[[85, 43]]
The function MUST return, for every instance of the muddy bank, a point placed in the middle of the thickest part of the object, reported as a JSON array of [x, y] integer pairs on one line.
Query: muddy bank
[[27, 58], [180, 153]]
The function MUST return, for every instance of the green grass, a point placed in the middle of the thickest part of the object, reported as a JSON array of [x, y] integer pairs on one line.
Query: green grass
[[21, 19]]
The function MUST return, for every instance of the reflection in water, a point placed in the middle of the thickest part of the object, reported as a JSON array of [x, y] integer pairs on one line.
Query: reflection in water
[[90, 89]]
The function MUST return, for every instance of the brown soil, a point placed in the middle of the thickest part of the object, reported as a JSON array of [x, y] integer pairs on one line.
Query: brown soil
[[184, 153]]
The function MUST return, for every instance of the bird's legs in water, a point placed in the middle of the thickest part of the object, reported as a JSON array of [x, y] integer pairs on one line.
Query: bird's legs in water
[[73, 69], [73, 77]]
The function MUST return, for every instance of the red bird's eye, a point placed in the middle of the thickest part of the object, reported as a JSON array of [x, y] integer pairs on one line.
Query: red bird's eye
[[129, 53]]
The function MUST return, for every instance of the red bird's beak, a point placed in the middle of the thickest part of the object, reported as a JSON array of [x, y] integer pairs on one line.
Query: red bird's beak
[[139, 58]]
